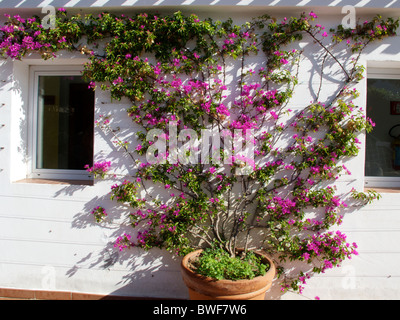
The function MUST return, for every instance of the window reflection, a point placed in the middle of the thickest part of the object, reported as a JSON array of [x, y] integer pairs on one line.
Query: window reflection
[[65, 123], [383, 107]]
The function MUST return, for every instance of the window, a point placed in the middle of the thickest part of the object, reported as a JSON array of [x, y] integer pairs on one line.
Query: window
[[382, 163], [62, 123]]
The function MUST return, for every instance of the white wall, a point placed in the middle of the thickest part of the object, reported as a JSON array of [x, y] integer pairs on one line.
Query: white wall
[[48, 239]]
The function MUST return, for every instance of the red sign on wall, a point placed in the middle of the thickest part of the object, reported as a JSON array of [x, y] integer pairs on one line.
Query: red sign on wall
[[395, 107]]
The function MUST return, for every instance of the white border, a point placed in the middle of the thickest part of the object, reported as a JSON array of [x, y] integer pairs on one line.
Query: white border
[[34, 72], [392, 73]]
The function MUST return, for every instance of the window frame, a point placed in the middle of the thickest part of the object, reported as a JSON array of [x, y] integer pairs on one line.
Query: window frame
[[35, 71], [390, 73]]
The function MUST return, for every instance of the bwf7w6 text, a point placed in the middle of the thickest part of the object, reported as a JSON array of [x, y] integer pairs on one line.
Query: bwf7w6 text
[[221, 309]]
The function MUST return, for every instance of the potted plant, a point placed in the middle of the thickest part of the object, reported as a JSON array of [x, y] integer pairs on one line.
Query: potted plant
[[213, 274], [222, 162]]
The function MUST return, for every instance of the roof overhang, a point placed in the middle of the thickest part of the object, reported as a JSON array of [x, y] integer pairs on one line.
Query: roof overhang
[[363, 7], [390, 4]]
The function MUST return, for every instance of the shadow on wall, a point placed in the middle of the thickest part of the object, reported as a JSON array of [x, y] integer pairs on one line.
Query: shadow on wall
[[137, 273], [153, 274]]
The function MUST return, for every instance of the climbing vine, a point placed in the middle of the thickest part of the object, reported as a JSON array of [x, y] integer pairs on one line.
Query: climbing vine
[[176, 71]]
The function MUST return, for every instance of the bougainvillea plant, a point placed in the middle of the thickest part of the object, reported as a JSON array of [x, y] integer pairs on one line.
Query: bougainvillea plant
[[186, 78]]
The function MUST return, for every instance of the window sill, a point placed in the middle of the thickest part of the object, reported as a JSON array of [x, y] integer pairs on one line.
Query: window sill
[[383, 190], [57, 182]]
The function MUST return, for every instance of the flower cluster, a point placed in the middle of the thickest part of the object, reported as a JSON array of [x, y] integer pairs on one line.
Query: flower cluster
[[330, 249], [123, 242], [99, 169], [99, 213]]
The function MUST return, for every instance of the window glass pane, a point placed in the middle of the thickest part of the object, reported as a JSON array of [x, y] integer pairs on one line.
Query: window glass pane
[[383, 107], [65, 123]]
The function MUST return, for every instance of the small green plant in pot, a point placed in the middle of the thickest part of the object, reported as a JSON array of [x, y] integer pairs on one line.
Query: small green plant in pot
[[238, 172], [218, 264]]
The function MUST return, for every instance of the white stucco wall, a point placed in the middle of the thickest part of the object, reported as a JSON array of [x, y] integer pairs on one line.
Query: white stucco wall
[[48, 239]]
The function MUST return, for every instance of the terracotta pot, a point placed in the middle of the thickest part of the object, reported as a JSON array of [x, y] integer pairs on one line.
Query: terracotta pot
[[204, 288]]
